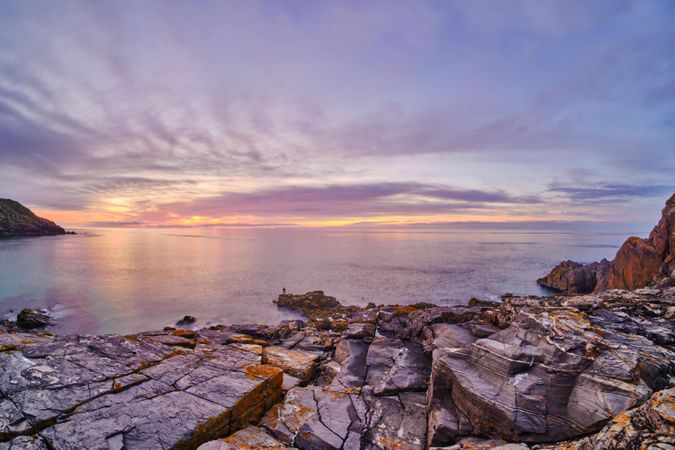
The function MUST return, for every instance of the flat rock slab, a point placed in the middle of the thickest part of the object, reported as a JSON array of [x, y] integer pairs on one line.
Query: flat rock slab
[[397, 366], [142, 391], [300, 364], [250, 437]]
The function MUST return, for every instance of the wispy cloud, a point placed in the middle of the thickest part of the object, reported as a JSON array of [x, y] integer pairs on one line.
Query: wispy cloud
[[604, 192], [127, 109]]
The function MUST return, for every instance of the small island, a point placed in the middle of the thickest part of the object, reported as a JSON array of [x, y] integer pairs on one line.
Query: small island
[[17, 220]]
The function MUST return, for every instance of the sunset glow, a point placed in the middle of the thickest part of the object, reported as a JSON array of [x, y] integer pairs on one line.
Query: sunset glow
[[337, 113]]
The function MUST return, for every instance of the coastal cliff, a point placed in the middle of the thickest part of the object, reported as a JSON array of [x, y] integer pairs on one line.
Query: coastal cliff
[[17, 220], [638, 263], [582, 372]]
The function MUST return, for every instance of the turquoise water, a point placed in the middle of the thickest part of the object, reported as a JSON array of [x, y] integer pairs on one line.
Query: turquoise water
[[128, 280]]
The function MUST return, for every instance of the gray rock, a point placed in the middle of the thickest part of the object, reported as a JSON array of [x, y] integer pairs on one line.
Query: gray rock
[[250, 437], [396, 366], [317, 418], [32, 318], [394, 422], [131, 392]]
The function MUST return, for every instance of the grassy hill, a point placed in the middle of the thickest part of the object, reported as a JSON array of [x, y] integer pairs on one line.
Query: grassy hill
[[17, 220]]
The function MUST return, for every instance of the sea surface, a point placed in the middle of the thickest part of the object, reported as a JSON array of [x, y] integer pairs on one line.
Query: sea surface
[[129, 280]]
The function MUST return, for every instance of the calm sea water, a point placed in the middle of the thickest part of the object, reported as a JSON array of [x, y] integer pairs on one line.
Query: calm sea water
[[128, 280]]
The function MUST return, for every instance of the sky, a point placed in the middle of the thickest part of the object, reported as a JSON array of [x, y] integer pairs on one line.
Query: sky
[[316, 113]]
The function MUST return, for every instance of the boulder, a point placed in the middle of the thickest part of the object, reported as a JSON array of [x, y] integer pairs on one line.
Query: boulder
[[395, 366], [32, 318], [573, 277], [650, 426], [300, 364]]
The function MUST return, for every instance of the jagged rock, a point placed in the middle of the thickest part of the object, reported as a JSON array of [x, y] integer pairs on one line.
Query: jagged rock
[[530, 381], [32, 318], [638, 263], [408, 322], [350, 354], [300, 364], [573, 277], [396, 366], [17, 220], [360, 330], [132, 391], [395, 422], [317, 418], [650, 426], [250, 437], [24, 443], [474, 443]]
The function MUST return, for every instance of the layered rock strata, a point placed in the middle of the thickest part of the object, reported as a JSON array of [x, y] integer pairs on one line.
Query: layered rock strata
[[528, 372]]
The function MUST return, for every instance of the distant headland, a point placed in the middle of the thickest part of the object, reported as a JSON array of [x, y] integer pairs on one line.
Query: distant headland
[[17, 220]]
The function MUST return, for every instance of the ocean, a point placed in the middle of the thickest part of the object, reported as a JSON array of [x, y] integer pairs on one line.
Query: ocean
[[121, 280]]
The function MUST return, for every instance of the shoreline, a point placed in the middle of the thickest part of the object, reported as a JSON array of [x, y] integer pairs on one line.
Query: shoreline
[[404, 375]]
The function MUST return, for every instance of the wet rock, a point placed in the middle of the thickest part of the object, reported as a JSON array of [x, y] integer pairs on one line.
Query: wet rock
[[300, 364], [250, 437], [395, 366], [32, 318], [186, 320]]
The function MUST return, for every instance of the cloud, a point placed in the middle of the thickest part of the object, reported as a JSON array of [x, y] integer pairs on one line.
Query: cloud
[[606, 192], [344, 101], [348, 200]]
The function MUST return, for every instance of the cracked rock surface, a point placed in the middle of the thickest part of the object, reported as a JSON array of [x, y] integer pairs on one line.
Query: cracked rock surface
[[582, 372]]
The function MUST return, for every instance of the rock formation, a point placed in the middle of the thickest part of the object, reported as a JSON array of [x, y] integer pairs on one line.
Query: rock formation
[[17, 220], [529, 372], [638, 263]]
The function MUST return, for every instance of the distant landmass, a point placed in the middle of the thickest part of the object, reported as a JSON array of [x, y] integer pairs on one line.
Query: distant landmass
[[17, 220]]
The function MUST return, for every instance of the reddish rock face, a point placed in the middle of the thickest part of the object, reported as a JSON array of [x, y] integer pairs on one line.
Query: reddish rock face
[[638, 263]]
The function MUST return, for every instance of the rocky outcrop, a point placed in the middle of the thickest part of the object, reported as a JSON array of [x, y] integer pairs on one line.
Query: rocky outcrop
[[575, 278], [32, 318], [638, 263], [650, 426], [17, 220], [527, 371]]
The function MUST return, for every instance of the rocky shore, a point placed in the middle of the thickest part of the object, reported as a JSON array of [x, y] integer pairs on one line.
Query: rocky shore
[[638, 263], [586, 372]]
